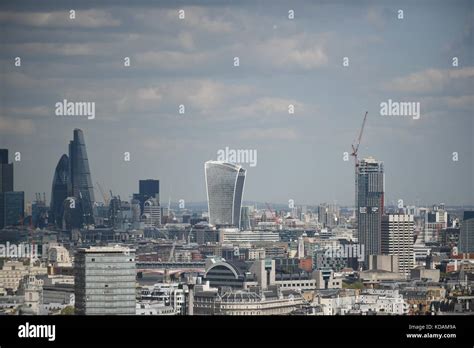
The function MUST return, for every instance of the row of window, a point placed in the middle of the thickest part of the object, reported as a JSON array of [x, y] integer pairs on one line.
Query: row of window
[[298, 285]]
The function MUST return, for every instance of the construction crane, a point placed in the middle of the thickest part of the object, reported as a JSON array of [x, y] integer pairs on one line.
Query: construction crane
[[106, 199], [355, 150], [355, 146], [269, 208]]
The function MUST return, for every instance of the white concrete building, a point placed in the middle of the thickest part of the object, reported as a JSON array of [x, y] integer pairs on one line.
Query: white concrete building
[[397, 239]]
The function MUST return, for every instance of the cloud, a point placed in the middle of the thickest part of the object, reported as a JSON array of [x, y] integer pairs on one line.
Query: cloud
[[296, 51], [379, 16], [64, 49], [207, 95], [29, 112], [269, 134], [265, 106], [16, 127], [431, 80], [209, 99], [448, 103], [174, 60], [149, 94], [56, 19], [199, 18], [293, 52]]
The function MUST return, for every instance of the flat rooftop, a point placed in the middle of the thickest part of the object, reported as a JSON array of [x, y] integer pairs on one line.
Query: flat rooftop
[[105, 249]]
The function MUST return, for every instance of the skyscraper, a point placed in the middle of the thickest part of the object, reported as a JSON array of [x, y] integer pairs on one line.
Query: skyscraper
[[6, 172], [397, 239], [225, 187], [245, 219], [12, 204], [3, 155], [12, 207], [152, 213], [104, 281], [59, 190], [323, 214], [370, 205], [466, 238], [147, 189], [80, 185]]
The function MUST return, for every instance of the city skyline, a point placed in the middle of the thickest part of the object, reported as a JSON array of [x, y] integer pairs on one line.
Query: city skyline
[[282, 62], [130, 196]]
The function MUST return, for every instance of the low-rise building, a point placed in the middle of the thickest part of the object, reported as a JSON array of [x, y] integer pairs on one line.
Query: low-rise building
[[255, 301], [13, 272]]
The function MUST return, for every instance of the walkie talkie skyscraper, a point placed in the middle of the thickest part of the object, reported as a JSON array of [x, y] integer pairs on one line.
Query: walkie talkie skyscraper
[[225, 187]]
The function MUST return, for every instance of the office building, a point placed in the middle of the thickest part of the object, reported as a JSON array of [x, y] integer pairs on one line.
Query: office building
[[233, 235], [245, 218], [3, 156], [370, 204], [466, 238], [12, 204], [80, 183], [225, 187], [59, 189], [152, 213], [387, 263], [104, 281], [272, 301], [147, 189], [434, 222], [397, 239], [12, 208], [6, 172], [328, 214]]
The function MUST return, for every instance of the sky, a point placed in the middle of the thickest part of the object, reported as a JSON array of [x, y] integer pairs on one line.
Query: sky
[[283, 61]]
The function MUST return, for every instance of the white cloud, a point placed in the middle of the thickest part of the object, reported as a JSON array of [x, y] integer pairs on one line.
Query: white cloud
[[207, 94], [294, 52], [149, 94], [199, 18], [430, 80], [297, 51], [448, 103], [174, 60], [265, 106]]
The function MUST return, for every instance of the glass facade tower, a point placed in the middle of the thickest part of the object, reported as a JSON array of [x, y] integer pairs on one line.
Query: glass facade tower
[[6, 172], [59, 191], [80, 183], [370, 205], [225, 187]]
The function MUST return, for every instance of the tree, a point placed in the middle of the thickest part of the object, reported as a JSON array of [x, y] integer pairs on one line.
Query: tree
[[69, 310], [355, 285]]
